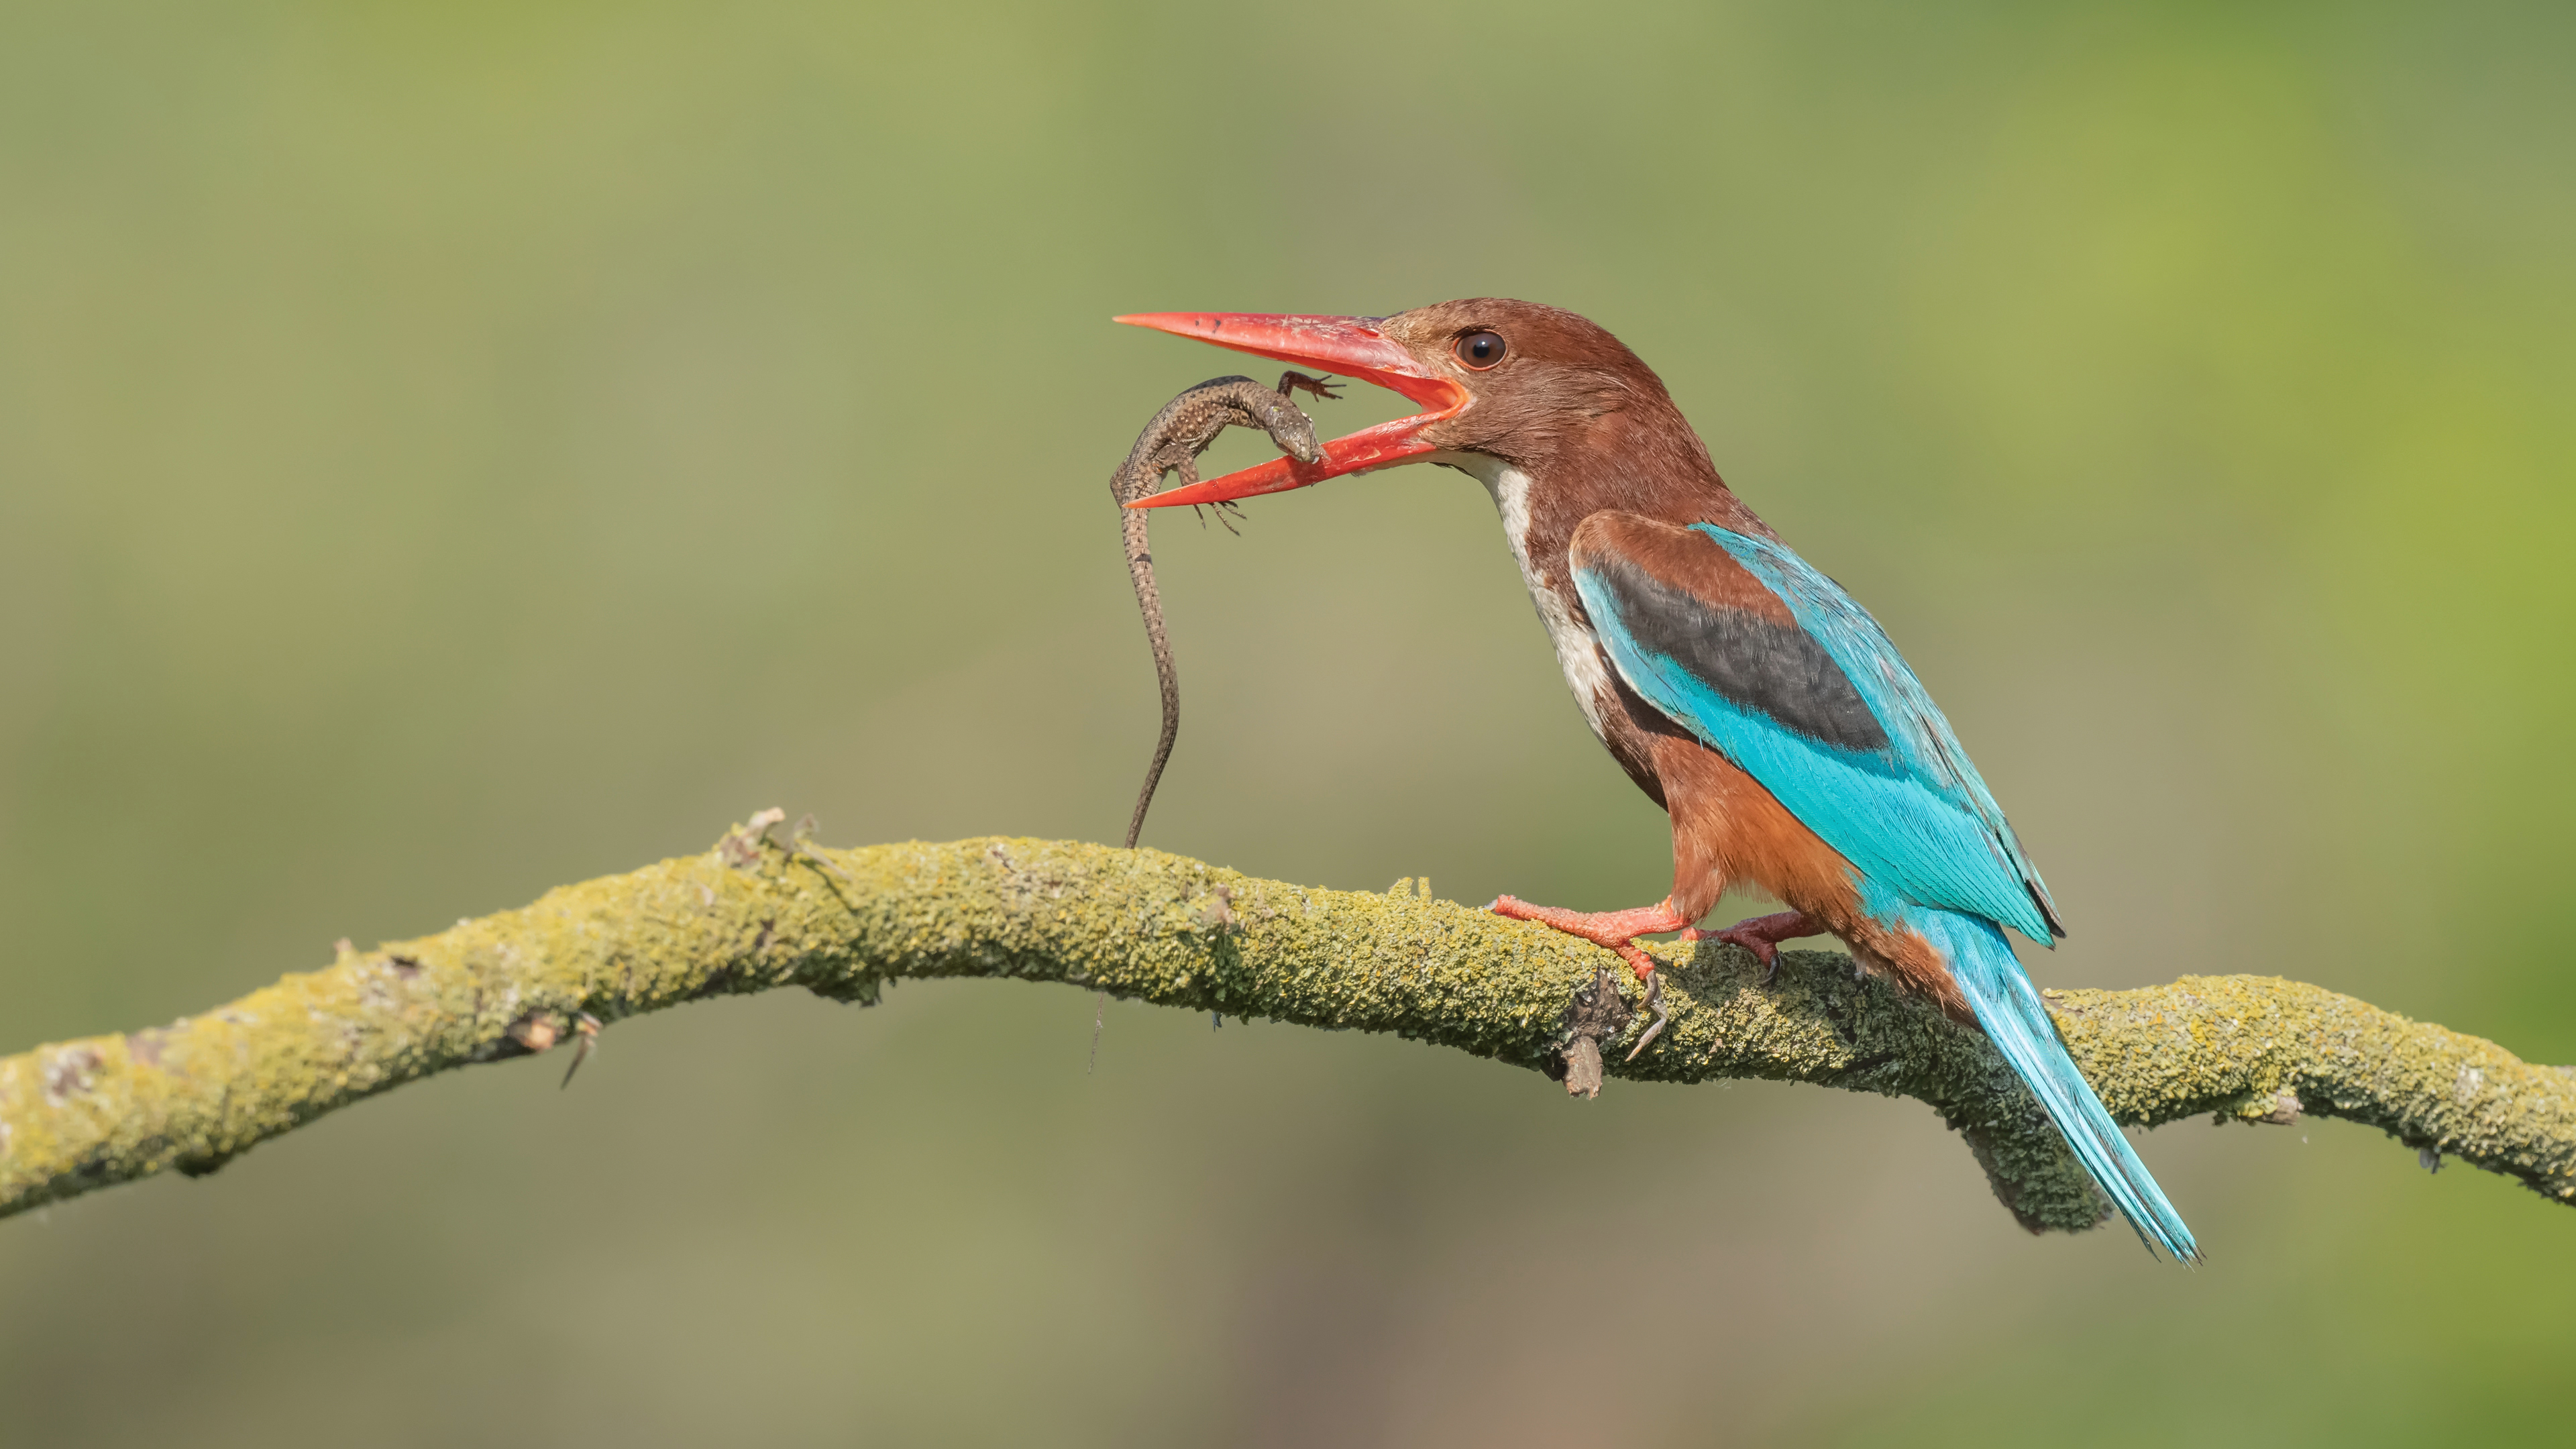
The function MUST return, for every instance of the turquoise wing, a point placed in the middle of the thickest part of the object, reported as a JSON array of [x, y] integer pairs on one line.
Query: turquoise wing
[[1771, 664]]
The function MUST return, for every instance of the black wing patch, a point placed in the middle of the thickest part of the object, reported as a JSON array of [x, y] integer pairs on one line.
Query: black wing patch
[[1775, 668]]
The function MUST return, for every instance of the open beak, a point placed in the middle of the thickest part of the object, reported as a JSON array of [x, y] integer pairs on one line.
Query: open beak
[[1346, 346]]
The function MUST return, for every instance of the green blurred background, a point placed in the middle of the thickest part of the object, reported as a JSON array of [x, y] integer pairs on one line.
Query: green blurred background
[[450, 450]]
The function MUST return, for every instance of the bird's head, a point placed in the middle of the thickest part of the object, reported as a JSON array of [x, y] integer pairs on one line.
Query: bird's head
[[1509, 380]]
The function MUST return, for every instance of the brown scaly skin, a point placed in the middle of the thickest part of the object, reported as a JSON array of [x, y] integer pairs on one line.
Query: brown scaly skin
[[1171, 443]]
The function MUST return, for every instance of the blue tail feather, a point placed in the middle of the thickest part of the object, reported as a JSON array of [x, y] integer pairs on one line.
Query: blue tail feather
[[2019, 1025]]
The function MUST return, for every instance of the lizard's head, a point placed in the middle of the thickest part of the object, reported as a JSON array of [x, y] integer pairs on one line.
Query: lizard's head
[[1491, 375]]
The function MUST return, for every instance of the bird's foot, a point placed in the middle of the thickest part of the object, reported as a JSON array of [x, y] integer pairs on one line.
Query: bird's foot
[[1617, 930], [1762, 936]]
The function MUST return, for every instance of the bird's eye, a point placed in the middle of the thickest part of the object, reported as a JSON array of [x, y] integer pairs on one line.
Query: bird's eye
[[1480, 350]]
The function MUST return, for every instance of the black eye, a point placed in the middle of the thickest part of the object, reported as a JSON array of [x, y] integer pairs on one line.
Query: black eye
[[1480, 350]]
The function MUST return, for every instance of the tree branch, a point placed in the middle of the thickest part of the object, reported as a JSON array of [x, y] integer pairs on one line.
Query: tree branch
[[753, 914]]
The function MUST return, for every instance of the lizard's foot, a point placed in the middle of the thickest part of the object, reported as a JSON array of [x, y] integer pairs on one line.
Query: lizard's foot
[[1762, 936], [1293, 383]]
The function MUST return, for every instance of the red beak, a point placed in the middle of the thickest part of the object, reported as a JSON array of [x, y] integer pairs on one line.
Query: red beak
[[1346, 346]]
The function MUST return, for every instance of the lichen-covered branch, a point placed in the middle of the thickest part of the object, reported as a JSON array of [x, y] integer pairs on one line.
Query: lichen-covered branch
[[756, 913]]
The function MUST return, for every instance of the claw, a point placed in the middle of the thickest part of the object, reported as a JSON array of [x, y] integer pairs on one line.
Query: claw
[[1763, 951], [1663, 1013], [588, 1026], [1762, 936], [1291, 384]]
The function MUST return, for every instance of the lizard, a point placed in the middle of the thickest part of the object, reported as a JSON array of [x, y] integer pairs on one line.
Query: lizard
[[1171, 443]]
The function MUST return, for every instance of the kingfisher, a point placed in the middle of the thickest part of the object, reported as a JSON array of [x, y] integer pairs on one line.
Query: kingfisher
[[1742, 690]]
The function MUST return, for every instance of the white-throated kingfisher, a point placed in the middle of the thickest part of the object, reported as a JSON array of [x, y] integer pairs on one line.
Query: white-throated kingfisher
[[1742, 690]]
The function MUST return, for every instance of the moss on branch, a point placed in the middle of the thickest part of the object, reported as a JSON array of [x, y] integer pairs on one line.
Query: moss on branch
[[755, 913]]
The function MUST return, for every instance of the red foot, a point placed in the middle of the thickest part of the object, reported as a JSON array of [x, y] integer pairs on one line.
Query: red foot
[[1762, 936], [1617, 930]]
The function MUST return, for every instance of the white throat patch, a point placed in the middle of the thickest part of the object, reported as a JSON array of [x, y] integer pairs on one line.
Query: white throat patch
[[1578, 652]]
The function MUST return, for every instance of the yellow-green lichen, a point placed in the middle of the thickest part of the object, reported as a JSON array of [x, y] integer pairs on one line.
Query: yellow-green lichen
[[754, 914]]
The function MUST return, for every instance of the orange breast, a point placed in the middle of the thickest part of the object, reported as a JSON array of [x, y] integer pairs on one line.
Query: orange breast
[[1728, 829]]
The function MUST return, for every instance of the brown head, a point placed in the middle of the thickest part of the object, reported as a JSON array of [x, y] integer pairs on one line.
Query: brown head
[[1539, 388]]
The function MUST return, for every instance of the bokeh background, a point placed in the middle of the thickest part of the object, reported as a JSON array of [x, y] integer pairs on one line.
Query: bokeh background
[[449, 450]]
